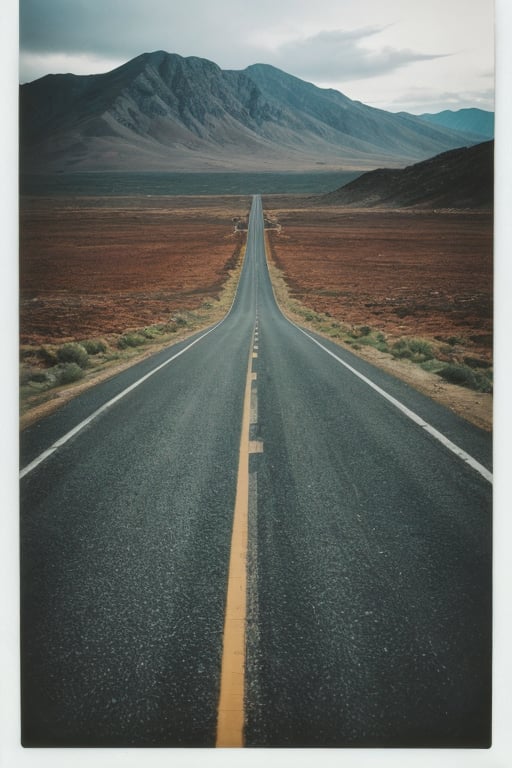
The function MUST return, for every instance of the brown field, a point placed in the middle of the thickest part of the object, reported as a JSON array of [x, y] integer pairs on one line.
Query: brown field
[[419, 274], [94, 266]]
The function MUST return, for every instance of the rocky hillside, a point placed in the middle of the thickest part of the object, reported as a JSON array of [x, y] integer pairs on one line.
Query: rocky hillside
[[161, 111], [461, 178]]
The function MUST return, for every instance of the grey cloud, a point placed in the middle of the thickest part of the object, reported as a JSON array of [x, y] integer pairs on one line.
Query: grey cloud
[[339, 54], [112, 27], [126, 28]]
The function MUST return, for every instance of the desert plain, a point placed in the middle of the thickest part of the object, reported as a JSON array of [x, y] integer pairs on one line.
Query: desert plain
[[97, 267], [413, 273]]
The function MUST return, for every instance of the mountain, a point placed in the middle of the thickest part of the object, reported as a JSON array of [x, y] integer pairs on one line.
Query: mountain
[[161, 111], [460, 178], [475, 122]]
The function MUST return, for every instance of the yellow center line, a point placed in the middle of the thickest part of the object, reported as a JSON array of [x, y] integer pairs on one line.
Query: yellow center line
[[230, 714]]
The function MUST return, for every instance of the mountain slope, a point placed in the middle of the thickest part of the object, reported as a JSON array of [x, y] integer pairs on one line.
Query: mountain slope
[[352, 120], [460, 178], [476, 122], [162, 111]]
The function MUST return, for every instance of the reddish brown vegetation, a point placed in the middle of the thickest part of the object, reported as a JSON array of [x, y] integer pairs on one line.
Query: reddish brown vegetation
[[424, 274], [90, 267]]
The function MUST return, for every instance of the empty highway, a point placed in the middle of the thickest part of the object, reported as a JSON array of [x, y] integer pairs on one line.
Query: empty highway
[[254, 538]]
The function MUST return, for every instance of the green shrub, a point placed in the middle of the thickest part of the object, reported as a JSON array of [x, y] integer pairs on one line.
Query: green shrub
[[432, 366], [458, 374], [466, 377], [179, 319], [381, 342], [418, 346], [364, 330], [421, 350], [416, 350], [40, 377], [69, 372], [73, 353], [152, 332], [484, 381], [401, 349], [476, 362], [94, 346], [130, 340]]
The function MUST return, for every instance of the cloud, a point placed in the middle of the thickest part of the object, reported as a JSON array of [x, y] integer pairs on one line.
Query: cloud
[[126, 28], [33, 65], [334, 54], [418, 100], [110, 29]]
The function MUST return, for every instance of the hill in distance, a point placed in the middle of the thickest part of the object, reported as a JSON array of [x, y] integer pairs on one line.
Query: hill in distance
[[475, 122], [461, 178], [163, 112]]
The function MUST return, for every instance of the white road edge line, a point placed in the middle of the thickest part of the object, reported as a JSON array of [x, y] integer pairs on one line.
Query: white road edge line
[[72, 432], [483, 471]]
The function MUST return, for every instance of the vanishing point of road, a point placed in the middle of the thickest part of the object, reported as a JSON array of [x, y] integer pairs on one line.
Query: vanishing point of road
[[254, 538]]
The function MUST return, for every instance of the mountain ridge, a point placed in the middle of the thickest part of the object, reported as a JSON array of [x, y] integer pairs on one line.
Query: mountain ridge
[[162, 111], [476, 122]]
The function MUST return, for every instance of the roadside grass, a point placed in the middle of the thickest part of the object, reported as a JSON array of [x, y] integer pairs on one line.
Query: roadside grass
[[49, 369], [440, 357]]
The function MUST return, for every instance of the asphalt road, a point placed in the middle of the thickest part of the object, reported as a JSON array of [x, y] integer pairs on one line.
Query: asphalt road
[[369, 549]]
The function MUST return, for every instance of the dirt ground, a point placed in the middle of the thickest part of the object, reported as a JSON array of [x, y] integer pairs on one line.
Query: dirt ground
[[91, 266], [422, 274]]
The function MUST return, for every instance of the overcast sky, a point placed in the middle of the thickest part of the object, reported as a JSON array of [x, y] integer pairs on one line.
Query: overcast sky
[[417, 55]]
